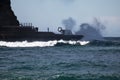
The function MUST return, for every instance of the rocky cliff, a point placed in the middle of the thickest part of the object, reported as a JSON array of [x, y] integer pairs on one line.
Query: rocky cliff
[[7, 16]]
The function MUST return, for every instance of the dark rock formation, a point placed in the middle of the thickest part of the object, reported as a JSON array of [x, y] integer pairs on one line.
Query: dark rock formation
[[7, 16]]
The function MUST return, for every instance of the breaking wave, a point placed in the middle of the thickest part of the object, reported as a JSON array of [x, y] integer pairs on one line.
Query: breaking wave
[[58, 43], [40, 43]]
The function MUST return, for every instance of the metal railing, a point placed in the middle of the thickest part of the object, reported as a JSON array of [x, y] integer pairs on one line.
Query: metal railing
[[26, 24]]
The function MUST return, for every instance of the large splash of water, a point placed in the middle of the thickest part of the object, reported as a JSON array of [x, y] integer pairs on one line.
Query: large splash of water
[[89, 31], [69, 23], [40, 43]]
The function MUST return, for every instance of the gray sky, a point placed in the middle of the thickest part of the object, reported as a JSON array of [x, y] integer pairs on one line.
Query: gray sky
[[50, 13]]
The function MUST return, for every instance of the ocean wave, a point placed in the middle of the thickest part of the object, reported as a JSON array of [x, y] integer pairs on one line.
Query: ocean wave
[[86, 77], [61, 77], [57, 43], [104, 43], [40, 43]]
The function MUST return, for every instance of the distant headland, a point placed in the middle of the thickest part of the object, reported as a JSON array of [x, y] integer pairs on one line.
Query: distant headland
[[7, 16]]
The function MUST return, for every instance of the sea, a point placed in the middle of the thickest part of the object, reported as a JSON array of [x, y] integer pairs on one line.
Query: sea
[[60, 60]]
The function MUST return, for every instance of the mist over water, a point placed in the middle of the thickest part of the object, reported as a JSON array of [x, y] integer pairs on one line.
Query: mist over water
[[90, 31], [69, 23]]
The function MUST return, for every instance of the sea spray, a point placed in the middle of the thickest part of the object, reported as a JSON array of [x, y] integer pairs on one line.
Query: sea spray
[[69, 23], [40, 43], [90, 32]]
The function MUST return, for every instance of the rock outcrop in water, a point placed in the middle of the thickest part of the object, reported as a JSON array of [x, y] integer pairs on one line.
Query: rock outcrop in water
[[7, 16]]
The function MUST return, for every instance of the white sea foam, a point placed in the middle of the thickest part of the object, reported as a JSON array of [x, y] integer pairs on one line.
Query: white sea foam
[[40, 43]]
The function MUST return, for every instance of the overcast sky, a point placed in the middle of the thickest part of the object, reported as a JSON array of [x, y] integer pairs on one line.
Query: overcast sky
[[50, 13]]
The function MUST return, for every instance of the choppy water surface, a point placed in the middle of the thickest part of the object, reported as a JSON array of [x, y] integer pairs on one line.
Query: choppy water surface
[[94, 61]]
